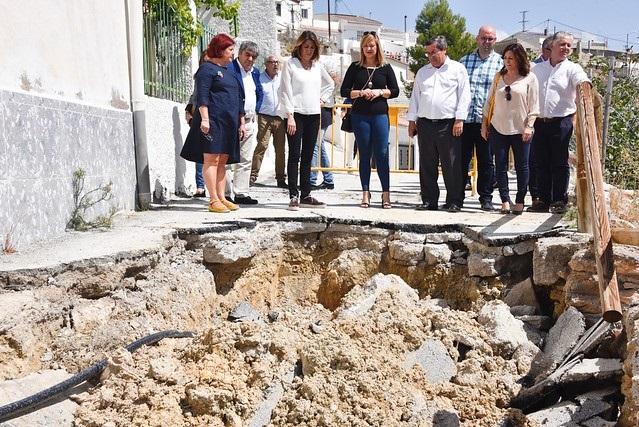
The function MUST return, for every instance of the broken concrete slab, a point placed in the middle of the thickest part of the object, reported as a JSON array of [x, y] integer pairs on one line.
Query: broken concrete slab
[[598, 422], [594, 369], [543, 323], [570, 326], [444, 237], [568, 413], [505, 333], [58, 414], [434, 359]]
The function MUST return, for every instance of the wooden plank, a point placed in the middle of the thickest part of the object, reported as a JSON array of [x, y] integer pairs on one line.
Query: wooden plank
[[607, 276], [584, 218], [626, 236]]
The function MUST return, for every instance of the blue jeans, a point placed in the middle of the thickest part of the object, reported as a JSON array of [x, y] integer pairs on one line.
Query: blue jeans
[[371, 135], [325, 162], [501, 144], [199, 179]]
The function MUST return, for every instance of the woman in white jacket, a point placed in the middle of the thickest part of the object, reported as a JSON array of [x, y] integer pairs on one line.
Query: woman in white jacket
[[304, 87]]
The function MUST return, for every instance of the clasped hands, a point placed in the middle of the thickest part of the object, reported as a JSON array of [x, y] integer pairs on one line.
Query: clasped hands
[[370, 94]]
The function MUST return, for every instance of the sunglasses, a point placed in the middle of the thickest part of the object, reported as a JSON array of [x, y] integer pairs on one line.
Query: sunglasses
[[372, 33], [509, 96], [272, 62]]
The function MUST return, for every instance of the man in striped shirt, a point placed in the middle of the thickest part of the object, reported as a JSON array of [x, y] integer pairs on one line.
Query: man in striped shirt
[[482, 65]]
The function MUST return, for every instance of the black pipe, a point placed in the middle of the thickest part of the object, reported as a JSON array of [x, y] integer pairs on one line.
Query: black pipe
[[28, 404]]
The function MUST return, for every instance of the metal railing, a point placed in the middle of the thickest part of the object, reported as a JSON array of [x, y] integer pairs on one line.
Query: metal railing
[[403, 150], [167, 71]]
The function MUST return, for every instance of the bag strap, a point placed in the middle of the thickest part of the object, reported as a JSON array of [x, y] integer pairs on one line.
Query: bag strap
[[491, 101]]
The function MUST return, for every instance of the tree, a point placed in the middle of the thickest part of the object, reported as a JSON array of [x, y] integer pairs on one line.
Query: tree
[[437, 19]]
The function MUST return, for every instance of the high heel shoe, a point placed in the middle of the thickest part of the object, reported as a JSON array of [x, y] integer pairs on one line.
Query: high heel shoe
[[366, 202], [217, 206], [386, 203], [505, 208], [229, 205]]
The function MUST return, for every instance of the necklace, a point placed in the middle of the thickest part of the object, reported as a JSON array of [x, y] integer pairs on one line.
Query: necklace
[[370, 71], [306, 67]]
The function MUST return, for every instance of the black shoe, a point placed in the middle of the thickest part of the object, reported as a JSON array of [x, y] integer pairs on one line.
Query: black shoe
[[452, 208], [281, 184], [427, 207], [487, 206], [538, 206], [558, 208], [245, 200], [199, 193], [323, 186]]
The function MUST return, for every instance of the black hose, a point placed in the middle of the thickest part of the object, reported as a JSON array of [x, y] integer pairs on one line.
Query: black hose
[[27, 405]]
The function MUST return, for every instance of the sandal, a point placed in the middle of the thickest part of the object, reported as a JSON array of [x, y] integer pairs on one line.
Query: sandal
[[217, 206], [365, 203], [230, 205], [505, 208], [386, 203], [518, 209]]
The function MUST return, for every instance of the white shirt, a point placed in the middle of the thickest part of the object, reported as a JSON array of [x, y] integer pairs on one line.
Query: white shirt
[[302, 90], [270, 102], [250, 99], [558, 87], [440, 93]]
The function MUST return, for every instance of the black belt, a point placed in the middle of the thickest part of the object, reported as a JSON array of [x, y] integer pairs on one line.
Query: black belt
[[551, 119], [436, 120]]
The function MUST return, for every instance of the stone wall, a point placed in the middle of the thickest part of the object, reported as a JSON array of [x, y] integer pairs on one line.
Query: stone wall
[[42, 142], [166, 131]]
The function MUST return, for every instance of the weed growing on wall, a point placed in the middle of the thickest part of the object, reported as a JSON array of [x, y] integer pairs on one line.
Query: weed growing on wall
[[82, 201], [8, 241]]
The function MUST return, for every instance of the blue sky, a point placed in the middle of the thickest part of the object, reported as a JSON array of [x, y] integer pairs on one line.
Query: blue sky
[[610, 18]]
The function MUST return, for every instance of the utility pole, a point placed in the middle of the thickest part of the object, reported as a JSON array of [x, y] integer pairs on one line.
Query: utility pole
[[329, 18], [523, 20]]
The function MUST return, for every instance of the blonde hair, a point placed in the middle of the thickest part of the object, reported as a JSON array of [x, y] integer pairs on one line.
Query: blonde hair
[[379, 57]]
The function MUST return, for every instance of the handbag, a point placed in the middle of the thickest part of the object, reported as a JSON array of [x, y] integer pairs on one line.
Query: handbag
[[488, 116], [347, 124]]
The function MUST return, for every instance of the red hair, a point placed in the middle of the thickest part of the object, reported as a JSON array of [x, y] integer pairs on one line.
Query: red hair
[[218, 44]]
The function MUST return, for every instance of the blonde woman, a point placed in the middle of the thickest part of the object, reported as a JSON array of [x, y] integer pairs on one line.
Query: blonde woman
[[369, 82]]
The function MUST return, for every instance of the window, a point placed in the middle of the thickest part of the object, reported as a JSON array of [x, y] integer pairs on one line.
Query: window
[[304, 13], [278, 9]]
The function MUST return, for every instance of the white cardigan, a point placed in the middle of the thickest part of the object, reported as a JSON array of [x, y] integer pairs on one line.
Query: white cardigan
[[301, 90]]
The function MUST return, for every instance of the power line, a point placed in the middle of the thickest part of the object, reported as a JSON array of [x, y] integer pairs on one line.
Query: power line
[[586, 31]]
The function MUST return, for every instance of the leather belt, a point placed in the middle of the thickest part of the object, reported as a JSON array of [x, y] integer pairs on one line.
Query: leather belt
[[551, 119], [436, 120]]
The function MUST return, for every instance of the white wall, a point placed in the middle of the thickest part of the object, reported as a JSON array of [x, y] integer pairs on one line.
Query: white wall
[[72, 49]]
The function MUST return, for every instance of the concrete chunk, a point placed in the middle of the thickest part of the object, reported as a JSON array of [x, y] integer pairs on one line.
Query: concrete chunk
[[360, 299], [522, 293], [244, 312], [504, 331], [594, 369], [568, 413], [437, 254], [433, 357], [570, 326], [551, 256], [406, 253]]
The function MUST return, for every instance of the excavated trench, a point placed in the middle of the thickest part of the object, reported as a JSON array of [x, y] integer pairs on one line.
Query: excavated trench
[[315, 324]]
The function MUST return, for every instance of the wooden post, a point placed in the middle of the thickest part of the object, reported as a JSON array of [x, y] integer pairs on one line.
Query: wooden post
[[608, 288]]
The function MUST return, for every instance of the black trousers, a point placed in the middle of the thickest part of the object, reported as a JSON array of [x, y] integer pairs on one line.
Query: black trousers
[[437, 144], [550, 149], [471, 138], [300, 153]]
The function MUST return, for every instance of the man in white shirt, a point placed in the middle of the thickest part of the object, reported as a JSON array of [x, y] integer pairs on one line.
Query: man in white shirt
[[558, 79], [270, 123], [436, 113], [238, 175]]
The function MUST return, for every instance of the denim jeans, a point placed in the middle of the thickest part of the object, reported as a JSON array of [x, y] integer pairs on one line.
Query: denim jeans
[[501, 145], [199, 179], [300, 153], [325, 162], [371, 135]]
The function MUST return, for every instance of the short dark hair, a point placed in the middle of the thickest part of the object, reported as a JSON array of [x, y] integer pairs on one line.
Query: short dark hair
[[218, 44], [439, 42], [305, 36], [250, 47], [523, 65]]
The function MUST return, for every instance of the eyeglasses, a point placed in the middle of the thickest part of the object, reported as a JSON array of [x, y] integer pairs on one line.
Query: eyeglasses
[[372, 33], [272, 62], [488, 39], [509, 95]]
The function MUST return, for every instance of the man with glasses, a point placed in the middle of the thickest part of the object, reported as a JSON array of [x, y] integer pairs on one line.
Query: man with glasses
[[482, 65], [436, 113], [270, 123], [238, 175]]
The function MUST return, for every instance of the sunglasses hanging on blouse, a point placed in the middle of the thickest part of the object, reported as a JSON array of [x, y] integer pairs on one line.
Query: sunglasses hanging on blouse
[[509, 96]]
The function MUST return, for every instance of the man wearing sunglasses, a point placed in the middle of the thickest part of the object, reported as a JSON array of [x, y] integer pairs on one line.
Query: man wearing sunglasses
[[436, 113], [482, 65]]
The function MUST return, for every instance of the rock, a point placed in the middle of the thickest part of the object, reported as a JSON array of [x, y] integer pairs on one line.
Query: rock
[[244, 312], [408, 237], [272, 396], [443, 237], [58, 414], [296, 227], [88, 315], [228, 248], [340, 237], [534, 335], [507, 251], [594, 369], [582, 292], [542, 323], [434, 359], [522, 293], [598, 422], [481, 266], [317, 327], [435, 303], [627, 260], [570, 326], [273, 315], [437, 254], [524, 247], [583, 260], [551, 257], [406, 253], [523, 310], [361, 298], [164, 370], [530, 360], [568, 413], [445, 418], [504, 331]]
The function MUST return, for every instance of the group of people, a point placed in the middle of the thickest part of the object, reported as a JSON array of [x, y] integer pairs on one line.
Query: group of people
[[493, 104], [487, 102]]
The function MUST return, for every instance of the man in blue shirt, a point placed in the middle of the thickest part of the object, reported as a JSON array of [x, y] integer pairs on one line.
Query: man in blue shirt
[[482, 65]]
